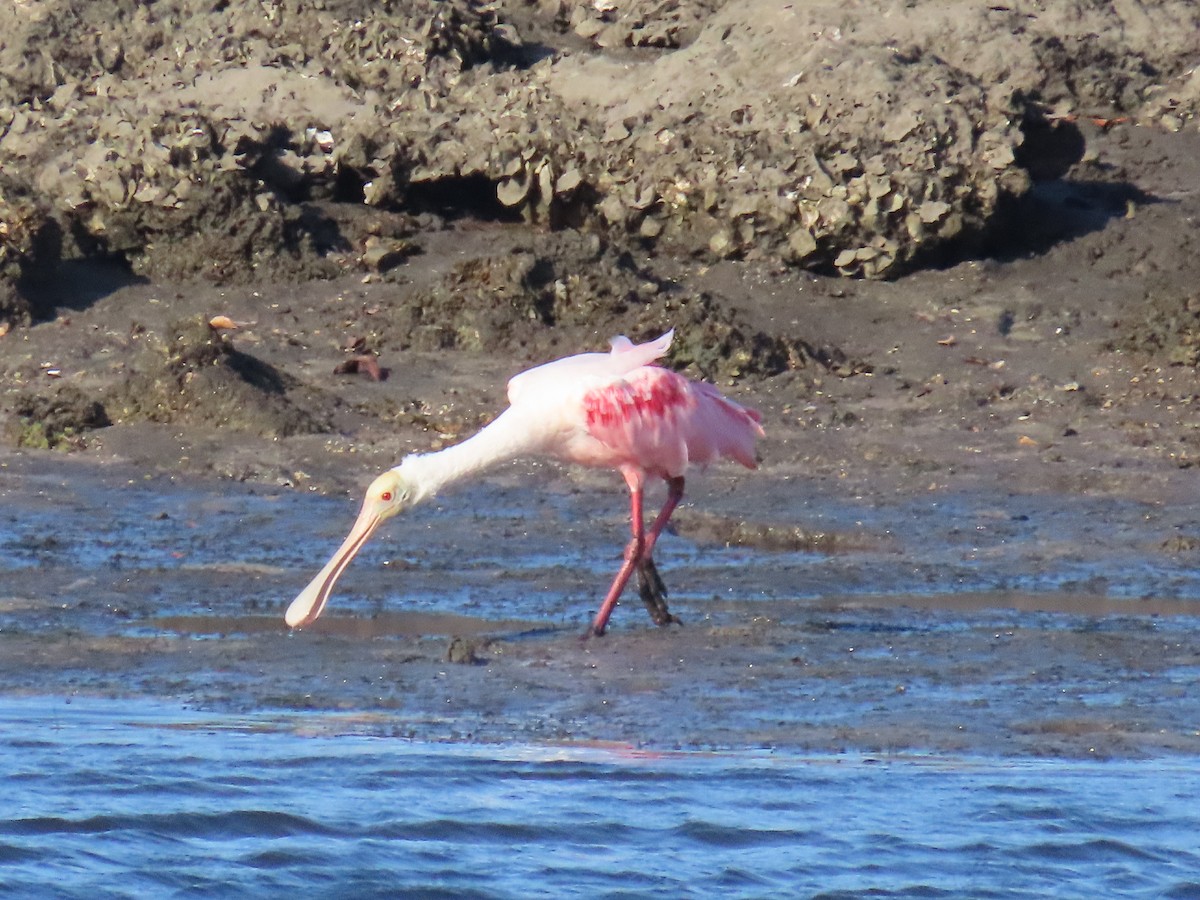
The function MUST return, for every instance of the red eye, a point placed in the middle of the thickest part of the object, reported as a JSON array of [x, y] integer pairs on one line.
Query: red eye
[[386, 496]]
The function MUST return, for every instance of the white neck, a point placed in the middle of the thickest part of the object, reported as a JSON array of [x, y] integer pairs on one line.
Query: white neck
[[508, 436]]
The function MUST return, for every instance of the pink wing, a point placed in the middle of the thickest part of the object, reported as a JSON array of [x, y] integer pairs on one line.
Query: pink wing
[[659, 422], [550, 379]]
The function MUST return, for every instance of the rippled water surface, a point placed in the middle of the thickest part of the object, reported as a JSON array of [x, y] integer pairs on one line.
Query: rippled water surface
[[109, 799], [981, 696]]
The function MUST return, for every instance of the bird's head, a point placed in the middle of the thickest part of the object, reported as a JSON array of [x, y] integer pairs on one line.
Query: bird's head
[[388, 495]]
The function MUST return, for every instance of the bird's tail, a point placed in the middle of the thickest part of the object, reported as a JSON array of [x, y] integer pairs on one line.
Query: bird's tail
[[723, 428]]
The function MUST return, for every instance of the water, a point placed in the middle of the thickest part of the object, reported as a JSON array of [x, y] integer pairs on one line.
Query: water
[[867, 723], [103, 799]]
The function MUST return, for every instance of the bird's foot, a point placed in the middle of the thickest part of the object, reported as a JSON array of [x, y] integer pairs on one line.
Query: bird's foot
[[654, 594]]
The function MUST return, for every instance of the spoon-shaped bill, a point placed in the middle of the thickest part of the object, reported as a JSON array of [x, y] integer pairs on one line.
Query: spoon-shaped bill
[[311, 601]]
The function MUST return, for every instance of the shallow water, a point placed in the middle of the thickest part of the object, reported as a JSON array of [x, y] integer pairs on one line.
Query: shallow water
[[985, 696], [118, 799]]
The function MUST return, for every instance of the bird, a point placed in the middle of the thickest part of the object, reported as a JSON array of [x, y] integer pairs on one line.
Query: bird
[[617, 410]]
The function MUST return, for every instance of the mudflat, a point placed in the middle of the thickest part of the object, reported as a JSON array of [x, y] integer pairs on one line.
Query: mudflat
[[975, 526]]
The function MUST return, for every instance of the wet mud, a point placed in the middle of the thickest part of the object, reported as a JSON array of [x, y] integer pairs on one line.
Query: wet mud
[[973, 526], [895, 638]]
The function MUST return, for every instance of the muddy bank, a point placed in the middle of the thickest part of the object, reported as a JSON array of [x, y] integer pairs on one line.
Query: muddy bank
[[1056, 626], [305, 141], [1067, 368], [344, 238], [359, 195]]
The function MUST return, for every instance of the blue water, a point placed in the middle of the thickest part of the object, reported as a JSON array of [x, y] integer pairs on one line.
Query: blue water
[[137, 762], [104, 799]]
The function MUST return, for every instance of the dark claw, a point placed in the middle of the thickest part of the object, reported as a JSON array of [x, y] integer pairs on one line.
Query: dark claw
[[654, 594]]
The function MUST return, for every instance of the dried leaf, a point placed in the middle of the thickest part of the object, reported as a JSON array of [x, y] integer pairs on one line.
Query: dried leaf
[[364, 364]]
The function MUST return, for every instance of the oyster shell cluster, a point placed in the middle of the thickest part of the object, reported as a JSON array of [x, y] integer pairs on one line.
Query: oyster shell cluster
[[851, 138]]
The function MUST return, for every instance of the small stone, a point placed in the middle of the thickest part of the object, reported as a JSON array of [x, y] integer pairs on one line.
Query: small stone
[[650, 227], [380, 255], [932, 211], [324, 140], [589, 28], [512, 191], [900, 127], [745, 205], [568, 181], [545, 177], [462, 651], [616, 131], [802, 243], [721, 244], [879, 187]]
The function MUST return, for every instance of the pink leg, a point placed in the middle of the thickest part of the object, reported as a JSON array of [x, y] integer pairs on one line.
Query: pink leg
[[634, 552], [674, 495], [638, 556]]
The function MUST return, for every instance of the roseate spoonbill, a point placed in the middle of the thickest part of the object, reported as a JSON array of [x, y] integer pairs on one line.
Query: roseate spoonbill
[[616, 410]]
